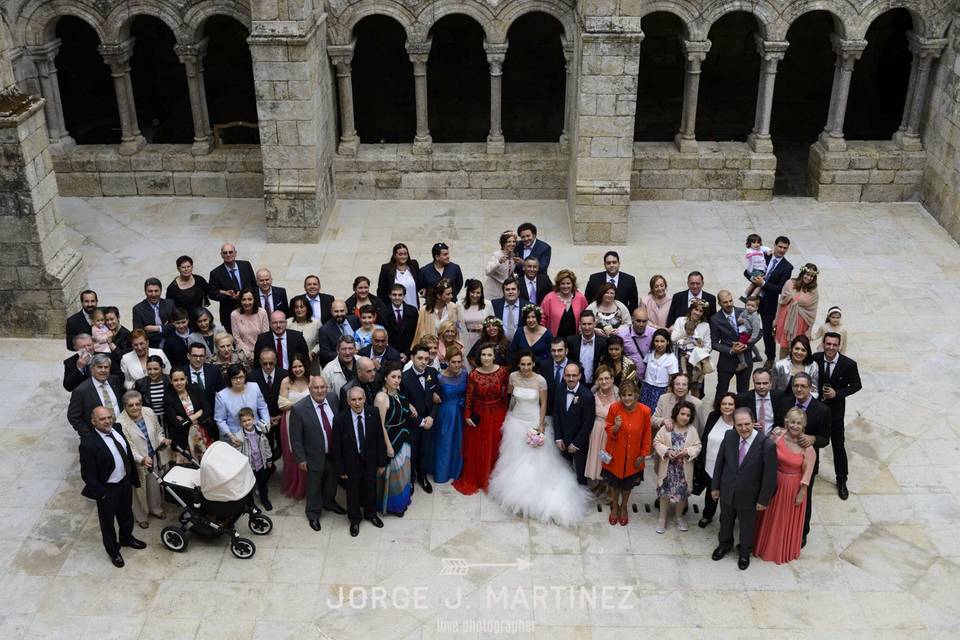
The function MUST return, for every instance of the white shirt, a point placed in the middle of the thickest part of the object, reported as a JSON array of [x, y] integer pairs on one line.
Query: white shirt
[[768, 411], [315, 307], [660, 369], [714, 440], [615, 279], [198, 374], [119, 466], [356, 427], [528, 250], [283, 362], [267, 296], [323, 407], [104, 387], [691, 297], [587, 353], [571, 395], [827, 370]]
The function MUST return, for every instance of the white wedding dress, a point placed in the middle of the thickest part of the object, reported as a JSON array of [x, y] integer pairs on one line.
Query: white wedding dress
[[536, 482]]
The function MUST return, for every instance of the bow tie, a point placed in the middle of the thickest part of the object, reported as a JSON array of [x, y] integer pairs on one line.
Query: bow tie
[[571, 392], [421, 375]]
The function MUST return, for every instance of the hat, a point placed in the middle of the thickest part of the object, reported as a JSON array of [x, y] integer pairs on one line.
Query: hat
[[834, 309]]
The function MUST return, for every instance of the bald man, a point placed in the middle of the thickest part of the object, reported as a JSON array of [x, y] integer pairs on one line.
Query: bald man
[[228, 280], [271, 298], [286, 342]]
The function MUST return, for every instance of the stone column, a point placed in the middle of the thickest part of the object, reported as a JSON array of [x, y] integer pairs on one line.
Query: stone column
[[848, 52], [771, 53], [341, 55], [496, 53], [117, 57], [696, 52], [419, 52], [925, 51], [569, 94], [43, 58], [191, 57]]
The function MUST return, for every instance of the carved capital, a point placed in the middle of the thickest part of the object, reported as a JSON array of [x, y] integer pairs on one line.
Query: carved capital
[[926, 49], [771, 50], [696, 52], [496, 54], [341, 53], [848, 51], [117, 56]]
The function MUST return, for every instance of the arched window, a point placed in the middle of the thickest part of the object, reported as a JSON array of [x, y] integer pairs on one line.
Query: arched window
[[159, 84], [383, 99], [728, 86], [228, 76], [660, 81], [86, 88], [458, 81], [534, 79]]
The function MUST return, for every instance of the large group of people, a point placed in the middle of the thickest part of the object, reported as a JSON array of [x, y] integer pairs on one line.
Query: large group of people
[[547, 398]]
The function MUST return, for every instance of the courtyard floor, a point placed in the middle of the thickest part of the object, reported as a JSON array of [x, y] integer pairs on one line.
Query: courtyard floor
[[884, 564]]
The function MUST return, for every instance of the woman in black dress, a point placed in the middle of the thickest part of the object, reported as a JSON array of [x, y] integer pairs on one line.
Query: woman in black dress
[[188, 290]]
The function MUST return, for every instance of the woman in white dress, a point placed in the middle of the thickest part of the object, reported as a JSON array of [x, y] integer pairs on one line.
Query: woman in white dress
[[535, 482], [473, 310], [501, 264]]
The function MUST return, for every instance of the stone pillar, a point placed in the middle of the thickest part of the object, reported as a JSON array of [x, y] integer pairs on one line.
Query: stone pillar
[[42, 276], [419, 52], [496, 53], [569, 93], [847, 52], [191, 57], [925, 51], [117, 57], [771, 53], [696, 52], [341, 55], [43, 58]]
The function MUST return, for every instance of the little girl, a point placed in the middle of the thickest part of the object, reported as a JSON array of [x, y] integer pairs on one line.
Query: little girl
[[101, 334], [832, 325], [754, 263]]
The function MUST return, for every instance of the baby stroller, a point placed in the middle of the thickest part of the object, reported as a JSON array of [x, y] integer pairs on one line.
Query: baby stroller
[[213, 494]]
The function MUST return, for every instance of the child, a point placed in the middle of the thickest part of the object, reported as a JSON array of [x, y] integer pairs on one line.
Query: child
[[101, 334], [750, 326], [755, 263], [368, 322], [256, 447], [832, 324]]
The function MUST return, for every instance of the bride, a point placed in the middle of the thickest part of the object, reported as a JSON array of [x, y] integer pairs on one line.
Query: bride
[[534, 481]]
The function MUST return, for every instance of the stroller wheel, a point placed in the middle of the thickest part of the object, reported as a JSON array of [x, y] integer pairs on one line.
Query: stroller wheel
[[243, 548], [260, 524], [173, 538]]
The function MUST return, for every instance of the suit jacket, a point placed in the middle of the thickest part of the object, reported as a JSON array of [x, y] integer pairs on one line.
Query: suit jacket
[[627, 292], [540, 250], [143, 316], [220, 279], [388, 355], [772, 286], [278, 300], [723, 337], [212, 382], [400, 336], [679, 307], [77, 323], [388, 274], [574, 425], [327, 337], [421, 396], [745, 485], [97, 463], [175, 348], [845, 381], [72, 377], [428, 277], [544, 286], [362, 463], [818, 420], [499, 303], [271, 393], [295, 344], [748, 399], [326, 301], [85, 399], [175, 416], [546, 368], [575, 343], [369, 390], [307, 439]]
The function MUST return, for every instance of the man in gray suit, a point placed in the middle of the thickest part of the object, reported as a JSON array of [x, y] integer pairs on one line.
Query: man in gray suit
[[725, 339], [311, 436]]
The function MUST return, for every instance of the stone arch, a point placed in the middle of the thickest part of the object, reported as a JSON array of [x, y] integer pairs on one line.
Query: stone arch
[[432, 13], [197, 16], [765, 15], [119, 21], [843, 13], [514, 10], [877, 9], [39, 20], [347, 21], [681, 10]]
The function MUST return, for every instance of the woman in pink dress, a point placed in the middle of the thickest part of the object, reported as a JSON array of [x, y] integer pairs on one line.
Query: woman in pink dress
[[605, 393], [780, 526], [657, 302], [798, 307], [292, 390]]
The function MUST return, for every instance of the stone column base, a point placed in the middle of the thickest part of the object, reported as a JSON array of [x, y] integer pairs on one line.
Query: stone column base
[[202, 147], [294, 217], [867, 171], [907, 142], [760, 144], [496, 145], [685, 145], [130, 147], [599, 212], [422, 146], [349, 146], [831, 143]]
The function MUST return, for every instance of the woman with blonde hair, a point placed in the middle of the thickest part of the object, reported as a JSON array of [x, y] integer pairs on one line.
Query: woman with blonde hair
[[501, 264], [449, 336], [227, 353], [657, 302], [561, 307], [798, 307]]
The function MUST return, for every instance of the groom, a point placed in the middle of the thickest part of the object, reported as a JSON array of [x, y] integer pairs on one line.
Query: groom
[[573, 415]]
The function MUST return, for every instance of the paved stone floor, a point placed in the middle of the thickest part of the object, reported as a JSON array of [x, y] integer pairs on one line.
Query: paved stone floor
[[884, 564]]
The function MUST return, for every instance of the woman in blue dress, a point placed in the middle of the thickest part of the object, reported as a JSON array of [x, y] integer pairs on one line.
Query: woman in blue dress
[[448, 427], [533, 336]]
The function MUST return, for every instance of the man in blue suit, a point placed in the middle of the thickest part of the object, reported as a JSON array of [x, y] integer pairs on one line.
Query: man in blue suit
[[531, 247], [771, 284], [271, 298]]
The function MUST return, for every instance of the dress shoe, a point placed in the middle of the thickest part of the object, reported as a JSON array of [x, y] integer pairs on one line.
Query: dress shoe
[[842, 490], [703, 522], [425, 483], [315, 524], [354, 529], [743, 562], [719, 552], [144, 524], [116, 559], [336, 508], [267, 505], [376, 521], [133, 543]]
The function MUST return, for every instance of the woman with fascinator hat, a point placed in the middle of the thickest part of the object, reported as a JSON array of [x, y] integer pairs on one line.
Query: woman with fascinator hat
[[798, 307]]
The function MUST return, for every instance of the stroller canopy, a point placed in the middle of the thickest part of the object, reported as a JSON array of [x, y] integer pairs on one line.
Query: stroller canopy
[[225, 474]]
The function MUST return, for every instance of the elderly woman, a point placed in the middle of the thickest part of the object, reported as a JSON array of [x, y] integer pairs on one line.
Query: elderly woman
[[798, 307], [561, 307], [610, 312], [501, 264], [154, 387], [248, 320], [134, 364], [692, 343], [439, 306], [188, 290], [143, 432], [657, 302], [236, 396], [302, 321], [800, 359], [626, 449], [676, 448], [678, 390], [226, 353]]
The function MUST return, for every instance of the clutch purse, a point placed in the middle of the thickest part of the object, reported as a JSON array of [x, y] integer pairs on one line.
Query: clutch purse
[[475, 417], [605, 457]]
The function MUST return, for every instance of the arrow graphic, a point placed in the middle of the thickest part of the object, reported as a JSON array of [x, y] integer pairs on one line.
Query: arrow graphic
[[460, 567]]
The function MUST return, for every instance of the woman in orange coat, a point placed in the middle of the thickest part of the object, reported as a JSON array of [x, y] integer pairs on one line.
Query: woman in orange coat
[[628, 444]]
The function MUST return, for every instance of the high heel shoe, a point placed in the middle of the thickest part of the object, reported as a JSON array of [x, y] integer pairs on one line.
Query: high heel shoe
[[624, 519], [613, 518]]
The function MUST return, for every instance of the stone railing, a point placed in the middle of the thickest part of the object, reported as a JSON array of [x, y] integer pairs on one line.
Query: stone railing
[[868, 171]]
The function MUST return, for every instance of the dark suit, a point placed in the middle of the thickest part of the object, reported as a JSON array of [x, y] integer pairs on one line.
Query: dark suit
[[309, 444], [76, 324], [429, 276], [544, 286], [575, 345], [574, 424], [400, 336], [498, 305], [143, 315], [327, 337], [388, 274], [368, 390], [85, 399], [221, 280], [388, 354], [627, 292], [295, 344], [722, 338], [175, 347], [271, 394], [212, 383], [114, 500], [769, 301], [176, 420], [421, 397], [743, 486], [547, 369], [72, 376], [680, 305], [325, 301], [749, 401], [278, 300], [845, 380], [818, 426], [540, 250], [360, 464]]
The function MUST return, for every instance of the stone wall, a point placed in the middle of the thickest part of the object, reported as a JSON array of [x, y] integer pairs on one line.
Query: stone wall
[[717, 171], [453, 172], [868, 170], [158, 170]]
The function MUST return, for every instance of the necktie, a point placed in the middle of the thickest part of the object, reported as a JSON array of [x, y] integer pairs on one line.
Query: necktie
[[511, 324], [360, 436], [532, 288], [156, 314], [800, 405], [326, 422], [829, 370], [198, 379], [236, 278], [269, 381], [279, 351], [343, 328], [399, 318], [558, 369], [612, 281], [733, 323], [266, 304], [107, 400], [743, 451], [772, 266], [762, 413], [123, 451]]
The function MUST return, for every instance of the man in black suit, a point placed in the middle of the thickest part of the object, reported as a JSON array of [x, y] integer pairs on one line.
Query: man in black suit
[[100, 389], [725, 338], [228, 280], [204, 377], [320, 303], [534, 286], [379, 349], [365, 380], [763, 402], [400, 320], [153, 312], [269, 377], [177, 338], [76, 368], [552, 371], [816, 435], [680, 303], [839, 378], [573, 416], [420, 386], [743, 482], [109, 475], [339, 324], [771, 284], [587, 346], [507, 308], [530, 247], [271, 298], [311, 439], [80, 321], [286, 343], [441, 268], [361, 455], [625, 283]]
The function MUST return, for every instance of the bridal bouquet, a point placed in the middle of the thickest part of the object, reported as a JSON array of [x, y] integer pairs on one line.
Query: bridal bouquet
[[535, 438]]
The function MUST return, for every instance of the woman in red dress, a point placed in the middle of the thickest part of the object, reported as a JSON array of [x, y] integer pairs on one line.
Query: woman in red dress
[[483, 415], [780, 526]]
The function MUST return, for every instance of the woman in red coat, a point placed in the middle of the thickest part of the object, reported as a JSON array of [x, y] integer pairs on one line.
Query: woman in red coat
[[483, 415], [628, 445]]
